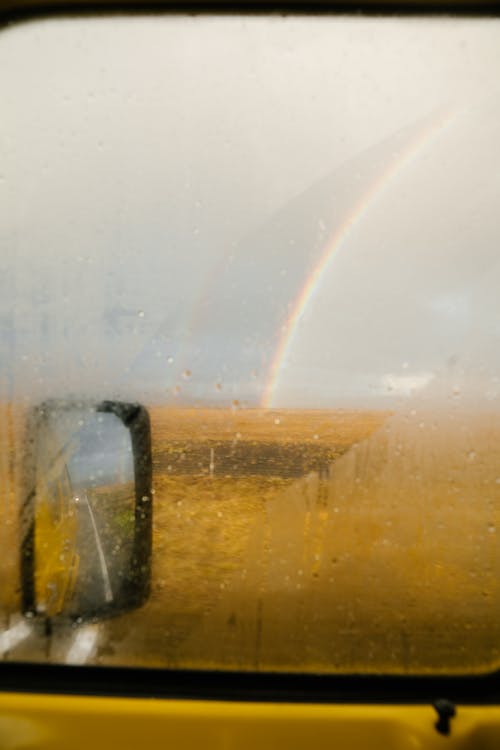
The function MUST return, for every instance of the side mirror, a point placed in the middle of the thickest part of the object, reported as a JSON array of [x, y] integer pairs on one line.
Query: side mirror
[[87, 512]]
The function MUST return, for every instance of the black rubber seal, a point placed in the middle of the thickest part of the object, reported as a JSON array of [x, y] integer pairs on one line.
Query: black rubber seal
[[128, 682]]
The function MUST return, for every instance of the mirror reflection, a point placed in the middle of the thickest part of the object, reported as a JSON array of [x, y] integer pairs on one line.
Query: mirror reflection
[[85, 511]]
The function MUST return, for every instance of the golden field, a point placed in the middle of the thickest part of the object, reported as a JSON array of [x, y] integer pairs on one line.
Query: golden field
[[384, 560], [11, 440], [341, 541]]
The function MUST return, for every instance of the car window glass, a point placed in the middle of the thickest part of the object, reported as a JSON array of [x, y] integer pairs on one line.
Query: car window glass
[[280, 235]]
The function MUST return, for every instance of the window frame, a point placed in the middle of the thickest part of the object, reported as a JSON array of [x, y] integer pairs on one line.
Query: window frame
[[242, 686]]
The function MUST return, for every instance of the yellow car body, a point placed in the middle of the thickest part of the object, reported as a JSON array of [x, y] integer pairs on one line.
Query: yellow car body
[[38, 721], [55, 547], [55, 534]]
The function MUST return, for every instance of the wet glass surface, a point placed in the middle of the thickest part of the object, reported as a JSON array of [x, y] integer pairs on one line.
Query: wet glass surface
[[281, 235]]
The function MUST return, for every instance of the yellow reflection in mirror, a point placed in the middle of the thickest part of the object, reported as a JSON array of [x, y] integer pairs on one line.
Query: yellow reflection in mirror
[[56, 558]]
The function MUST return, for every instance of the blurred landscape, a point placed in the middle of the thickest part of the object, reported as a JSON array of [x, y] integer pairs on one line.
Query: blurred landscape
[[10, 448], [321, 541], [279, 444]]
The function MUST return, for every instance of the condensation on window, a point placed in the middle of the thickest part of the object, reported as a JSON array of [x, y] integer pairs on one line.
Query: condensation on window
[[280, 236]]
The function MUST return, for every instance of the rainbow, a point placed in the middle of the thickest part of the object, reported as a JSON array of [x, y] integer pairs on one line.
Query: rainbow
[[423, 138]]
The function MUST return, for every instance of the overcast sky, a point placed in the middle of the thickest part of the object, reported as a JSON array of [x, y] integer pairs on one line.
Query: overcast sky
[[169, 185]]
